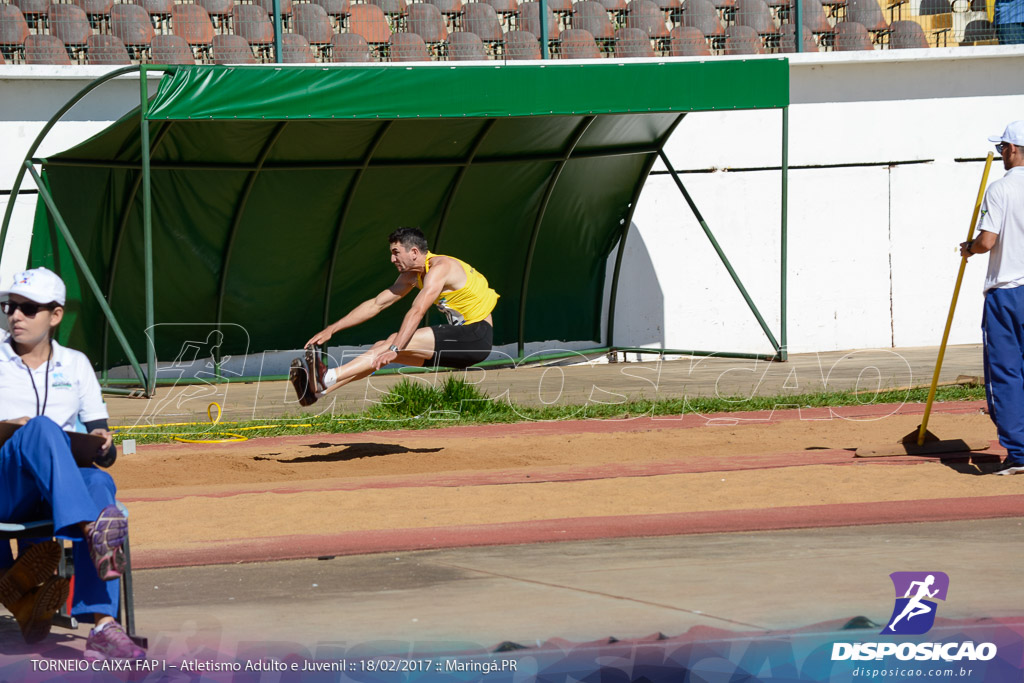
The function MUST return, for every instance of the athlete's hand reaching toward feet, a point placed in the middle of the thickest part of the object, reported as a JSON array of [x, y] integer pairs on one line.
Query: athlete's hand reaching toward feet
[[319, 338], [383, 359]]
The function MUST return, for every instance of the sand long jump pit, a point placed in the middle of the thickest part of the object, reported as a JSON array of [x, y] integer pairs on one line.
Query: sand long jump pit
[[336, 494]]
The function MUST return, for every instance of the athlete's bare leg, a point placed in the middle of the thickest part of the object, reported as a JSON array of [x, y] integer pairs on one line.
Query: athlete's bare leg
[[419, 350]]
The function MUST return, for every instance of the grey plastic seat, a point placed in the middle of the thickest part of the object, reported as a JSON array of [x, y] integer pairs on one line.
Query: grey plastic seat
[[231, 49], [590, 15], [577, 43], [633, 42], [907, 34], [521, 45], [851, 36], [464, 46], [688, 41], [743, 40]]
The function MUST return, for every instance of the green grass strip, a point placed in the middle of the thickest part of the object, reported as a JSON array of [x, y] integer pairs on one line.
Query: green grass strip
[[417, 405]]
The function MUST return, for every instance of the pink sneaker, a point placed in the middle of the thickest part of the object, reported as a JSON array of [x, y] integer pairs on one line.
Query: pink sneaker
[[112, 643], [106, 540]]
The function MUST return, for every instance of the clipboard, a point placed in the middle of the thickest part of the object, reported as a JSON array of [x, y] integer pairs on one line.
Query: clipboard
[[84, 447]]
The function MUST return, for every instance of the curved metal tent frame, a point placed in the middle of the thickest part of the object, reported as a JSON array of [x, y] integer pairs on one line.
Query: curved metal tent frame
[[530, 172]]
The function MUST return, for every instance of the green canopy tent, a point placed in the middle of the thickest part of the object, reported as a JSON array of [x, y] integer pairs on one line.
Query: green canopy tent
[[261, 196]]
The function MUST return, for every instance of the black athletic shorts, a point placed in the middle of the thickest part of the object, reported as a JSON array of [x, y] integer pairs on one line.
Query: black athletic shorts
[[459, 346]]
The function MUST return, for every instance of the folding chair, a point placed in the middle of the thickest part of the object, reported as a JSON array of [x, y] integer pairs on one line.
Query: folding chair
[[126, 607]]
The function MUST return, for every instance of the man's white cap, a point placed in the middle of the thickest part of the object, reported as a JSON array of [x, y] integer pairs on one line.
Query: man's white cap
[[39, 284], [1014, 134]]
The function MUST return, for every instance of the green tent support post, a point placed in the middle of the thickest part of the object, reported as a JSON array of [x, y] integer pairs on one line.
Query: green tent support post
[[628, 221], [545, 48], [147, 234], [346, 204], [784, 233], [577, 135], [278, 56], [718, 250], [236, 221], [457, 182], [76, 253], [122, 228]]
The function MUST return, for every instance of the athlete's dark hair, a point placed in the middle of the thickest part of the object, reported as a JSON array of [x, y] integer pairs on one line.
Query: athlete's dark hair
[[409, 238]]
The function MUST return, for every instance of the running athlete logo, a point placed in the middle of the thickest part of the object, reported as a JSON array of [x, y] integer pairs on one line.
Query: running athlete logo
[[914, 612]]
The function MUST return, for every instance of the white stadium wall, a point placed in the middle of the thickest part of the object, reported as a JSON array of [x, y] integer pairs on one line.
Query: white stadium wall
[[884, 152]]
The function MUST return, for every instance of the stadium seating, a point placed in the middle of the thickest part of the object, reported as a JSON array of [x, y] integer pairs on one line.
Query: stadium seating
[[616, 7], [349, 47], [743, 40], [252, 23], [482, 19], [426, 21], [35, 12], [906, 34], [458, 30], [701, 15], [106, 50], [591, 16], [96, 10], [787, 43], [170, 49], [45, 49], [369, 22], [392, 8], [451, 10], [756, 15], [687, 41], [70, 24], [868, 14], [464, 46], [508, 10], [529, 20], [13, 30], [521, 45], [851, 35], [633, 42], [295, 49], [337, 10], [311, 22], [192, 23], [647, 17], [132, 26], [219, 11], [978, 31], [929, 7], [159, 11], [407, 47], [578, 43], [232, 49]]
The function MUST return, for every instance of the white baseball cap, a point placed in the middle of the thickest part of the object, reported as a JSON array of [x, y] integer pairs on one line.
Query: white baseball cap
[[39, 284], [1014, 134]]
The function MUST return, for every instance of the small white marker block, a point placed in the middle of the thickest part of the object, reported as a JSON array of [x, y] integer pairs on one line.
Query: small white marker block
[[128, 446]]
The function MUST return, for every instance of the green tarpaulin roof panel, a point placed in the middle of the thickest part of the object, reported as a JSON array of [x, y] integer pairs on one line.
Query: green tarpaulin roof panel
[[274, 189]]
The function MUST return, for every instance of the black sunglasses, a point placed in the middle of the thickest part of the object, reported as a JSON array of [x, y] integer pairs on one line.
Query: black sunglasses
[[29, 308], [1001, 146]]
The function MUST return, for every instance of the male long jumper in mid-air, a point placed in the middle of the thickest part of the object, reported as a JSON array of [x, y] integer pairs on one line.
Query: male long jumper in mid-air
[[455, 287]]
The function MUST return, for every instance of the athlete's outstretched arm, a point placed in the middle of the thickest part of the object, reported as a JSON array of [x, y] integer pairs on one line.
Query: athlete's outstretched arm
[[433, 284], [367, 309]]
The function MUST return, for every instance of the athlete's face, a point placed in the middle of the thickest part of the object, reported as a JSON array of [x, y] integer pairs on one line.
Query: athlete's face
[[28, 331], [404, 259]]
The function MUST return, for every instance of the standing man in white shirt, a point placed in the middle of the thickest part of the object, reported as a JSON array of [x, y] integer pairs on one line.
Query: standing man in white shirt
[[46, 389], [1001, 233]]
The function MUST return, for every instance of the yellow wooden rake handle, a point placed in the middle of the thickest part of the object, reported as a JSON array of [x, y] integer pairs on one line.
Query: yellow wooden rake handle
[[952, 305]]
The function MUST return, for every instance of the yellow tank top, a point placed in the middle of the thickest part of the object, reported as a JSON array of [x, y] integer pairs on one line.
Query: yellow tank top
[[469, 304]]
